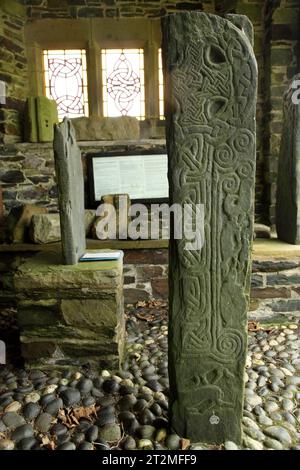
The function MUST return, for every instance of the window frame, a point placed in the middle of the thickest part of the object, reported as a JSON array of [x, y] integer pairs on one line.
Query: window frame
[[92, 36]]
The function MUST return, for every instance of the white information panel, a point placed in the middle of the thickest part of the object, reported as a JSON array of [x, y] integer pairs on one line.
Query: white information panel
[[139, 176]]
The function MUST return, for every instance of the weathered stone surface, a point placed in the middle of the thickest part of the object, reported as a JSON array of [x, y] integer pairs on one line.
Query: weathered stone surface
[[40, 117], [19, 220], [47, 116], [89, 217], [69, 173], [45, 228], [288, 179], [70, 315], [113, 128], [44, 273], [38, 313], [90, 313], [211, 77]]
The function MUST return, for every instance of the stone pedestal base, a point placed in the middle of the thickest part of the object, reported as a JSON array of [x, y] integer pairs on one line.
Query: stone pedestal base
[[70, 315]]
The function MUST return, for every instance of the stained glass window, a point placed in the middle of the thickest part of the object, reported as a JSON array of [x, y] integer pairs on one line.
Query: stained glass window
[[161, 86], [66, 81], [123, 82]]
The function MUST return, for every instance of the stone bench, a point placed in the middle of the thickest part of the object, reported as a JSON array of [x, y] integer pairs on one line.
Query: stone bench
[[70, 315]]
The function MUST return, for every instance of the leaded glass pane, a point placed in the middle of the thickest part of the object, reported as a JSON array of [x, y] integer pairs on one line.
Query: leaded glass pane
[[161, 86], [123, 82], [66, 81]]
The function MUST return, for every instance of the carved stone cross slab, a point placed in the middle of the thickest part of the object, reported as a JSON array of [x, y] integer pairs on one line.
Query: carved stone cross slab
[[69, 173], [210, 97]]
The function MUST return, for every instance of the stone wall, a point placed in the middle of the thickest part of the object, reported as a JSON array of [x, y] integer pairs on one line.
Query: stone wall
[[27, 176], [27, 172], [275, 283], [109, 8], [282, 63], [13, 69], [275, 290]]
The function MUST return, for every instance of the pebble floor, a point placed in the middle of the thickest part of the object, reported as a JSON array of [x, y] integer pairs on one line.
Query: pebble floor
[[84, 410]]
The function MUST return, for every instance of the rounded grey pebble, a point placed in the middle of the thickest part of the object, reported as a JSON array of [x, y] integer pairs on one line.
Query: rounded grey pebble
[[273, 444], [156, 409], [84, 425], [279, 433], [110, 386], [88, 401], [262, 391], [229, 445], [43, 422], [289, 418], [173, 442], [78, 437], [126, 389], [127, 402], [96, 393], [67, 446], [287, 405], [110, 432], [27, 444], [59, 430], [85, 385], [31, 411], [22, 432], [146, 431], [101, 444], [3, 428], [154, 385], [265, 420], [129, 443], [12, 420], [146, 417], [85, 446], [70, 396], [37, 374], [140, 405], [91, 434], [106, 401], [270, 406], [54, 407], [46, 399]]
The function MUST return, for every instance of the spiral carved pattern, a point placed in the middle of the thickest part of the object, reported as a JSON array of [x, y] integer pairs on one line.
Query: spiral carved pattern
[[230, 343], [243, 140], [225, 157]]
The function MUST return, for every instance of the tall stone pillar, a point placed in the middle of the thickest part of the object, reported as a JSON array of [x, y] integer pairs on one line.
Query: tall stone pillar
[[210, 76], [288, 176]]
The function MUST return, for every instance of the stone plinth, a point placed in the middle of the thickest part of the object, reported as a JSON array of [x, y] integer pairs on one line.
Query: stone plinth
[[70, 315]]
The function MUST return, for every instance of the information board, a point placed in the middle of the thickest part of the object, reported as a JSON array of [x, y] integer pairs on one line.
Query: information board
[[142, 177]]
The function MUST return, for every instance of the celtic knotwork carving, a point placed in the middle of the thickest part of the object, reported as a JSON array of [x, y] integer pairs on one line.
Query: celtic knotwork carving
[[196, 339], [123, 84], [212, 75], [66, 85]]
